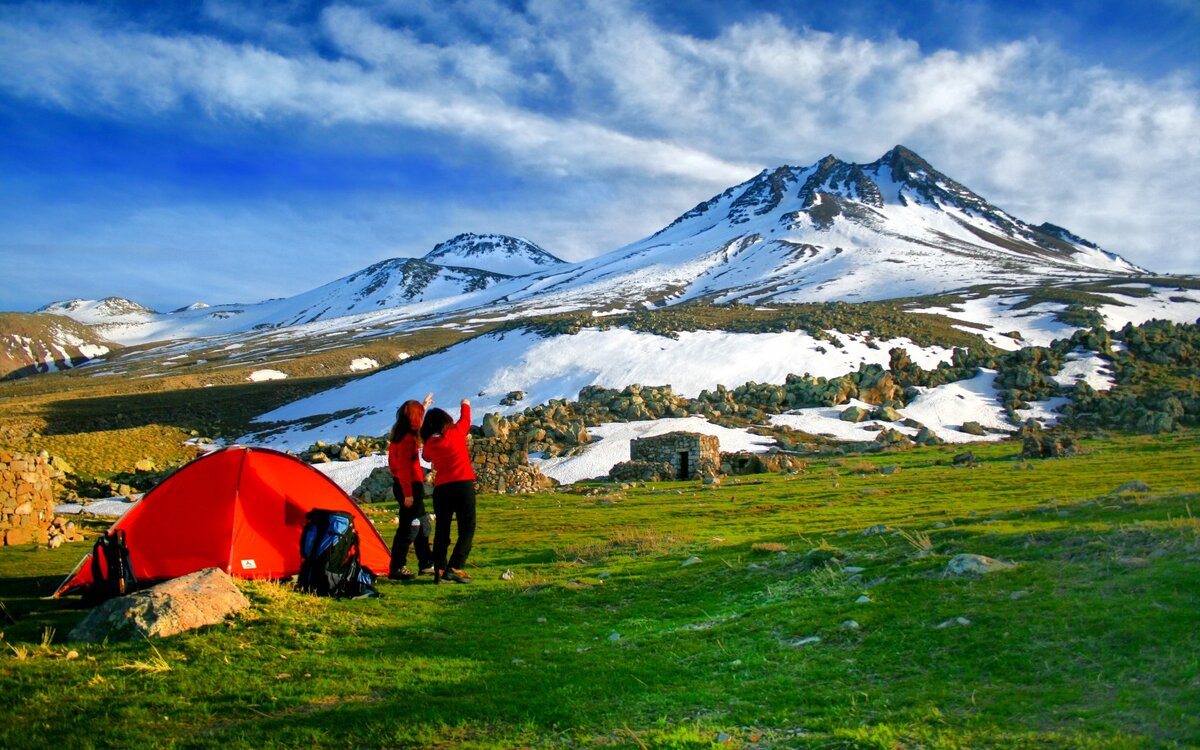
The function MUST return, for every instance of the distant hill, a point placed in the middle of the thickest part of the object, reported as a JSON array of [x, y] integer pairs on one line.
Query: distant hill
[[32, 343]]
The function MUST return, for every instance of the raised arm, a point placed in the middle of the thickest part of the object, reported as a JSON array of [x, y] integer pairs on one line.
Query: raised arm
[[464, 416]]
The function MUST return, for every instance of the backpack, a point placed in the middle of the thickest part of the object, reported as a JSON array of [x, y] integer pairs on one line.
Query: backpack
[[112, 572], [329, 564]]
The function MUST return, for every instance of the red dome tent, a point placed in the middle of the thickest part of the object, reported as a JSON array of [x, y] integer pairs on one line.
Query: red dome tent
[[238, 509]]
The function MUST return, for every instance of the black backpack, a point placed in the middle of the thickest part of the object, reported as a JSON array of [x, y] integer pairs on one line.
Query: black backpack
[[112, 573], [329, 564]]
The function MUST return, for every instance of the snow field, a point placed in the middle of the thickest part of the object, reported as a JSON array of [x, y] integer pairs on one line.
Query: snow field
[[558, 367], [611, 445]]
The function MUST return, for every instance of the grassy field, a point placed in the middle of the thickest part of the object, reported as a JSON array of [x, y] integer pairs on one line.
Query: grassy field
[[605, 637]]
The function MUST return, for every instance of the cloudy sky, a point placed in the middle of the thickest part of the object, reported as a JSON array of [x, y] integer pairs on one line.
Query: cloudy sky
[[228, 151]]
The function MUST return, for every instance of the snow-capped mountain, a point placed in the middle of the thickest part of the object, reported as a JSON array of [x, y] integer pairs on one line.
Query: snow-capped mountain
[[33, 343], [413, 284], [895, 227], [497, 253]]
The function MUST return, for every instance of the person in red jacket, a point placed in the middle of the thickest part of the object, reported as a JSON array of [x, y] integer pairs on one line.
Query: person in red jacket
[[408, 487], [453, 489]]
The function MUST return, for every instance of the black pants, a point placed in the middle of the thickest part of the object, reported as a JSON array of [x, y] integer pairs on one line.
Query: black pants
[[404, 536], [453, 499]]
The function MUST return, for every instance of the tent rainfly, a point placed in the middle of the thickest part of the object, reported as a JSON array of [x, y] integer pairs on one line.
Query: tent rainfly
[[239, 509]]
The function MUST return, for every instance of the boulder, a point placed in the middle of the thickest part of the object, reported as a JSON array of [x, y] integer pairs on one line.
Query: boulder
[[853, 414], [494, 426], [926, 436], [145, 466], [974, 565], [973, 428], [205, 597], [887, 414]]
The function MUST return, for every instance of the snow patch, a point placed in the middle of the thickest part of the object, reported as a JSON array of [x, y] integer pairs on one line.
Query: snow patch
[[259, 376], [611, 441], [363, 363]]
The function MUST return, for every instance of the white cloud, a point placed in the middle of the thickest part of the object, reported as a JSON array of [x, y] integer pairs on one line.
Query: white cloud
[[596, 91]]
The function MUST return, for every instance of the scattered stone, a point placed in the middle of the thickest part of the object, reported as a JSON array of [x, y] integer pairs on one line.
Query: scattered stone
[[604, 575], [1131, 487], [973, 565], [807, 641], [853, 569], [890, 470], [957, 621], [1016, 595], [541, 619], [864, 599], [690, 561], [972, 428], [205, 597], [876, 530], [850, 625], [1133, 562], [614, 637], [964, 459], [518, 661], [723, 738], [507, 575]]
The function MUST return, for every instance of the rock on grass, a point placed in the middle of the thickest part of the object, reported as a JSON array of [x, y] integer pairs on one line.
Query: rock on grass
[[974, 565]]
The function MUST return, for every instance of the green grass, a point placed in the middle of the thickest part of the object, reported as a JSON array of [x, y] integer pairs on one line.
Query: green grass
[[1100, 649]]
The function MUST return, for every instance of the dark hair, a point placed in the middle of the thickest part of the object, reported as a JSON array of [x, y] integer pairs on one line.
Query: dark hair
[[436, 422], [408, 420]]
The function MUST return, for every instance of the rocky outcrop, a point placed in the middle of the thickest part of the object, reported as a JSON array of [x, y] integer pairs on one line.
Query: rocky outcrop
[[205, 597]]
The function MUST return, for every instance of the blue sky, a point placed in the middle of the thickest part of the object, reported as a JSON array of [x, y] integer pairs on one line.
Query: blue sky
[[225, 151]]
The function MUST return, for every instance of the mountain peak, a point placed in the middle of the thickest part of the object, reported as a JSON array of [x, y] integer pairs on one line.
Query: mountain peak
[[496, 253]]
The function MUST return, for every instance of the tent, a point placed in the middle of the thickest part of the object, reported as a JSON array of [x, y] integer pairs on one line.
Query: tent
[[239, 509]]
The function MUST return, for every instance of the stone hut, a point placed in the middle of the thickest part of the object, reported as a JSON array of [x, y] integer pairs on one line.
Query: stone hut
[[690, 455]]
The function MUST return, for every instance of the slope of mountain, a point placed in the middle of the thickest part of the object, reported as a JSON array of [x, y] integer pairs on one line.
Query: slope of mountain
[[396, 284], [895, 227], [497, 253], [33, 343]]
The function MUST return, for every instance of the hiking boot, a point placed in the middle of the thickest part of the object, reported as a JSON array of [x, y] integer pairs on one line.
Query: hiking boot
[[455, 575], [404, 574], [427, 571]]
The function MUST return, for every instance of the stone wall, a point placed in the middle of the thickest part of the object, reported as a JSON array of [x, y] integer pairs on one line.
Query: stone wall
[[703, 453], [761, 463], [27, 501], [502, 465]]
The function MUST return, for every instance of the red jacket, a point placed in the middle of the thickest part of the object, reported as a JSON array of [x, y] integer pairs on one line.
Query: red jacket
[[448, 452], [404, 462]]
